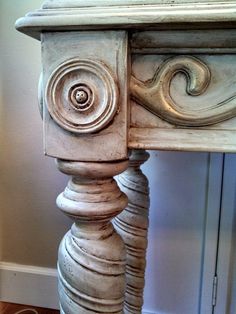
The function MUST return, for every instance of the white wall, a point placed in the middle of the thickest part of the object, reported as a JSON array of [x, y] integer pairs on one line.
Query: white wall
[[31, 225]]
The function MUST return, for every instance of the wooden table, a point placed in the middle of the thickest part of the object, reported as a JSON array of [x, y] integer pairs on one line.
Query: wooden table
[[119, 77]]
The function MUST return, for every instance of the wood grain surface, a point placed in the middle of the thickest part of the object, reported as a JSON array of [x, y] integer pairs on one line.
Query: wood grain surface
[[9, 308]]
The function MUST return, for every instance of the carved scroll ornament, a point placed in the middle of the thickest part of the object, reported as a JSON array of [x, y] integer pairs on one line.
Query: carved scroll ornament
[[155, 95], [82, 95]]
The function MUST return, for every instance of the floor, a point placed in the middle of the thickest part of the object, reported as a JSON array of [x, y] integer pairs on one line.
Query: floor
[[9, 308]]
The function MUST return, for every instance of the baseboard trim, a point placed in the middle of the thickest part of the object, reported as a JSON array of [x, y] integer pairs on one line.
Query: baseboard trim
[[31, 285]]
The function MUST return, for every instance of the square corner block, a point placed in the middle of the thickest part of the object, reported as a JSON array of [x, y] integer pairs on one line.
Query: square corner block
[[85, 95]]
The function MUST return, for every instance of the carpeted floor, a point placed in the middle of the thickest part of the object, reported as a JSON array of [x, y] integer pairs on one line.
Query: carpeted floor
[[9, 308]]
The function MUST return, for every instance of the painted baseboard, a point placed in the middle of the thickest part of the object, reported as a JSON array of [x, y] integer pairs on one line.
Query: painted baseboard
[[30, 285]]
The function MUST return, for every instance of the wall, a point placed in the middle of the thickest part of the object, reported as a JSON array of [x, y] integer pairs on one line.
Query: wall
[[31, 225]]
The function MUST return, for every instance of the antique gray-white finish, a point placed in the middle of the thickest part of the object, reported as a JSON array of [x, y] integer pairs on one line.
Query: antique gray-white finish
[[132, 225], [76, 15], [91, 260], [101, 73], [70, 103], [113, 80], [156, 95], [150, 131]]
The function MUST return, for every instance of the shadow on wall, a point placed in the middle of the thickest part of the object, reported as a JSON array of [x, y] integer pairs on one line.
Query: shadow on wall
[[30, 223]]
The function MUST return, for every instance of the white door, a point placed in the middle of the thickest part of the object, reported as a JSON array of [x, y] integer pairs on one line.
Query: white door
[[226, 258], [183, 236]]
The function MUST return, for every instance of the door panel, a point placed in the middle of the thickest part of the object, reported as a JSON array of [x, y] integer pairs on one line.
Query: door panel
[[226, 263], [184, 219]]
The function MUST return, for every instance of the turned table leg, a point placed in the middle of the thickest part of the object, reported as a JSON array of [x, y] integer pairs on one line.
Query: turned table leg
[[132, 225], [91, 262]]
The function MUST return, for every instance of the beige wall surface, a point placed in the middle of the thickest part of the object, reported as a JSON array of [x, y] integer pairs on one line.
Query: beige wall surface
[[30, 224]]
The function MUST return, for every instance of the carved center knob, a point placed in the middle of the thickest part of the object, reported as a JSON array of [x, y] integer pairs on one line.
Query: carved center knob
[[81, 96]]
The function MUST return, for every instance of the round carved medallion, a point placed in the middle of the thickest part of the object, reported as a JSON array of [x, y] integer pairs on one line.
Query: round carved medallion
[[82, 95]]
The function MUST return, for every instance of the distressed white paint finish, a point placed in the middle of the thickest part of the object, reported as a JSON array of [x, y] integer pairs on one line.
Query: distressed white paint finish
[[91, 261], [82, 95], [95, 63], [132, 225], [208, 102], [197, 108], [70, 15], [156, 95], [184, 41], [182, 140]]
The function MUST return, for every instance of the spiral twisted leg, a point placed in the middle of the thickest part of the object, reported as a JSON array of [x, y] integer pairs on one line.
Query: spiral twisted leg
[[91, 262], [132, 225]]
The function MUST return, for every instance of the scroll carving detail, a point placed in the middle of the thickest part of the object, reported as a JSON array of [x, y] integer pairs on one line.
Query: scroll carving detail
[[156, 97]]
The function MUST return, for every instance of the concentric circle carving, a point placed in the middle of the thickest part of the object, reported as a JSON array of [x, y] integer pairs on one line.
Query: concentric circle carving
[[82, 95]]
